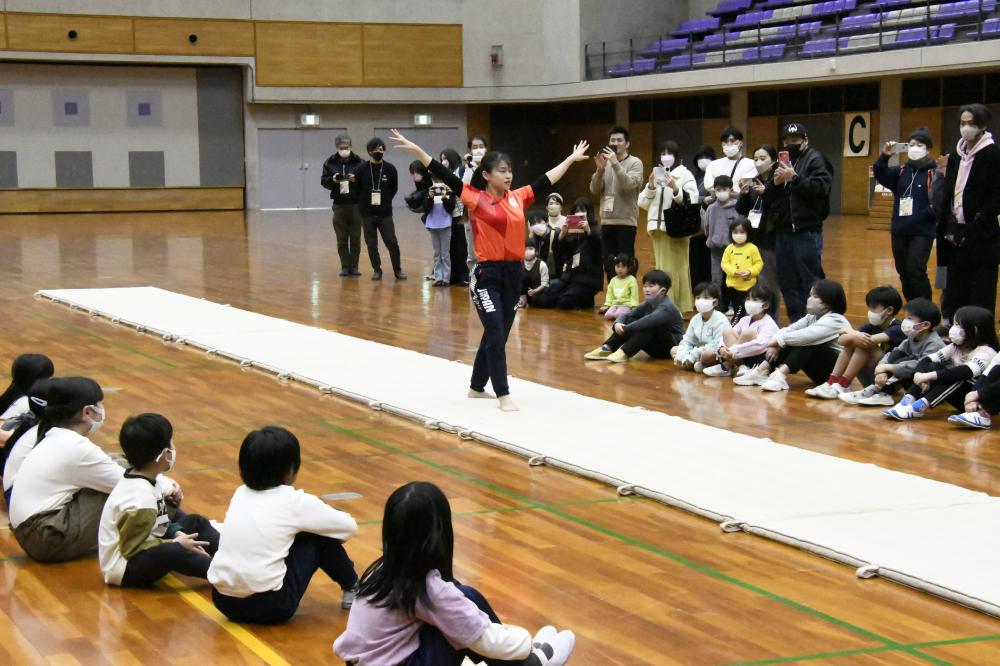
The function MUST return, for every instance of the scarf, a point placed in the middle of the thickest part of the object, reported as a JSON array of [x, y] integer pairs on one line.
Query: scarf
[[966, 153]]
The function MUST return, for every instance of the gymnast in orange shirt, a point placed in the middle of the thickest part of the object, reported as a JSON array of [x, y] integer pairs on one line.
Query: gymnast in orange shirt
[[499, 229]]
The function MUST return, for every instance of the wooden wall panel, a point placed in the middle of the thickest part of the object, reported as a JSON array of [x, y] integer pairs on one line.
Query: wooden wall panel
[[761, 129], [310, 54], [409, 56], [170, 36], [477, 119], [711, 129], [3, 30], [49, 32], [120, 199], [855, 182], [932, 119]]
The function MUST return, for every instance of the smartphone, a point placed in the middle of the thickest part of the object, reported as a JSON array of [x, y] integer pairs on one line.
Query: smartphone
[[659, 175], [574, 222], [745, 183], [899, 148], [784, 158]]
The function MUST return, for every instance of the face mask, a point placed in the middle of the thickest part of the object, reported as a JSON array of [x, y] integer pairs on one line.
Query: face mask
[[538, 229], [478, 153], [703, 163], [794, 150], [704, 305], [96, 425], [814, 306], [875, 318], [667, 161], [969, 132], [344, 153], [763, 166], [445, 163], [916, 153], [753, 308], [739, 239], [377, 155], [554, 210], [731, 150], [956, 334], [908, 328], [529, 255], [171, 457], [722, 196]]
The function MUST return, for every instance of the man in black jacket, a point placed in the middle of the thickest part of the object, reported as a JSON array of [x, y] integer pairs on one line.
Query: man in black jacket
[[377, 186], [802, 181], [340, 176]]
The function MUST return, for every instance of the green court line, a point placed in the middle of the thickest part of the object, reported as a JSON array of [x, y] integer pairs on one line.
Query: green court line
[[638, 543], [512, 509], [871, 650]]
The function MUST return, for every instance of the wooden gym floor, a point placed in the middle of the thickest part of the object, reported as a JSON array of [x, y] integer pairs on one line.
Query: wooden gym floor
[[639, 583]]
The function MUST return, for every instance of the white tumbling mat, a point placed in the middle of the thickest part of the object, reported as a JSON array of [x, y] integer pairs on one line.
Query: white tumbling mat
[[935, 536]]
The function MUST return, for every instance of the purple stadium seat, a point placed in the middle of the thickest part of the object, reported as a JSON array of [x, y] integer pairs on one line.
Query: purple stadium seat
[[664, 46], [730, 7], [696, 27]]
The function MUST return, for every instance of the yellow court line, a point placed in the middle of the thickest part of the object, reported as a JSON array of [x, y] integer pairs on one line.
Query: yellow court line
[[251, 642]]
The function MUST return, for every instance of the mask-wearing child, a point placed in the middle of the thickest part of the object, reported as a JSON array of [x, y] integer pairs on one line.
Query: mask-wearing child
[[743, 346], [536, 278], [705, 331], [741, 263]]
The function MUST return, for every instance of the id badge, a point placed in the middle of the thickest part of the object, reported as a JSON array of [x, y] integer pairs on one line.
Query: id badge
[[754, 217], [957, 203], [345, 187], [906, 207], [438, 199], [607, 204], [376, 198], [576, 260]]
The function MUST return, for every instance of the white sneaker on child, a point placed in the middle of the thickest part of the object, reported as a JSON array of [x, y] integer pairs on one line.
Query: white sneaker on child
[[562, 645], [880, 399], [544, 635], [698, 366], [830, 391], [742, 370], [753, 377], [717, 370], [854, 397], [776, 381], [815, 390]]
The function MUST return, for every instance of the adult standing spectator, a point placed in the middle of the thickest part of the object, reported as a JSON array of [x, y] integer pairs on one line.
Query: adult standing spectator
[[340, 176], [734, 164], [477, 146], [658, 198], [914, 221], [799, 196], [968, 235], [616, 184], [459, 248], [751, 206], [699, 256], [378, 183]]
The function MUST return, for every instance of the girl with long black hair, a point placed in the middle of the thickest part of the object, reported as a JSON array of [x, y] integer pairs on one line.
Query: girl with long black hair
[[24, 372], [411, 611], [499, 229]]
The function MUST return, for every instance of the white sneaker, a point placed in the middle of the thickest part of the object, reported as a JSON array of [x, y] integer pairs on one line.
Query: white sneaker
[[562, 645], [830, 392], [698, 366], [971, 420], [854, 397], [753, 377], [775, 382], [742, 370], [878, 400], [717, 370], [816, 390]]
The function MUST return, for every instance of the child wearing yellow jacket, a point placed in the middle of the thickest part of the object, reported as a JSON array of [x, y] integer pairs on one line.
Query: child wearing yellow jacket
[[741, 262]]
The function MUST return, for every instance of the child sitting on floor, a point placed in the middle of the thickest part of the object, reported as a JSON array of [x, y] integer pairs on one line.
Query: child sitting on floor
[[705, 331], [137, 543], [743, 345], [896, 368], [622, 293], [275, 537], [24, 372], [410, 609], [741, 262], [809, 344], [654, 327], [950, 373], [536, 277], [983, 401], [865, 346]]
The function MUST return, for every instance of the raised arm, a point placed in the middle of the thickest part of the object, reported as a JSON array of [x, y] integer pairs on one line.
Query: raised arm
[[578, 155]]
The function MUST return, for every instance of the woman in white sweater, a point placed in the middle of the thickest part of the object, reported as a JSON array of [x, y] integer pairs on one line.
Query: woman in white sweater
[[808, 345], [669, 253]]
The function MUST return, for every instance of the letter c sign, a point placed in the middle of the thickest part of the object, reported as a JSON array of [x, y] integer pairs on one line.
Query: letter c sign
[[857, 134]]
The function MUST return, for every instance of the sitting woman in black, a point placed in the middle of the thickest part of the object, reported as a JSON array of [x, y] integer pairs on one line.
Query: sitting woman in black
[[577, 253]]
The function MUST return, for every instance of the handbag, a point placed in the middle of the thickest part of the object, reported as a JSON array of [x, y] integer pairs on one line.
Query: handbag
[[682, 219]]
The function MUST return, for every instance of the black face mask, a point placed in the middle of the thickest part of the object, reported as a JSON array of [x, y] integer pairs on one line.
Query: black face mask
[[376, 156], [794, 150]]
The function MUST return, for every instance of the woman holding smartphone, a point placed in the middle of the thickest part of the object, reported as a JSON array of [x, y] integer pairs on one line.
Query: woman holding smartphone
[[761, 214], [499, 230]]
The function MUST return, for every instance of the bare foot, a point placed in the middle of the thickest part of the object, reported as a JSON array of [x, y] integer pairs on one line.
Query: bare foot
[[481, 394], [507, 404]]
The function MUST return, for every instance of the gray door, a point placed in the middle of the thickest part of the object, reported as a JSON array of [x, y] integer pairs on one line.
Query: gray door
[[280, 167], [431, 139], [317, 146]]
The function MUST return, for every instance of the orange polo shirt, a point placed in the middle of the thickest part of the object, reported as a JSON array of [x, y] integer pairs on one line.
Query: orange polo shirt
[[499, 228]]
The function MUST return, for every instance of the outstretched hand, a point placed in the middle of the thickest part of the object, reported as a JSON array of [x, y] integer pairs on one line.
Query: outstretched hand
[[402, 143], [580, 151]]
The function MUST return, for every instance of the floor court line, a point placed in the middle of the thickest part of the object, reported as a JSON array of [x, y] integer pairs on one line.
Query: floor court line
[[872, 650], [638, 543]]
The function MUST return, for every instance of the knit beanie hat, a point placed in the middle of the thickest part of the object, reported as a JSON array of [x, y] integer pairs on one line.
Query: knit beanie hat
[[923, 135]]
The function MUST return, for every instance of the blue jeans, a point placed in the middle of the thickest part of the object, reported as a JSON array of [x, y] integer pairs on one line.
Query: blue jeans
[[799, 257]]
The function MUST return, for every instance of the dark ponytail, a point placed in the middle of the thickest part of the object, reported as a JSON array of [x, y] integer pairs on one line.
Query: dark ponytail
[[67, 396], [37, 400], [24, 372]]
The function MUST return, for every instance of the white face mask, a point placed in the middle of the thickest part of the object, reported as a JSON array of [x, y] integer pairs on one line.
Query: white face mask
[[722, 196], [703, 163], [739, 239], [704, 305], [555, 210], [956, 334], [763, 166], [171, 455], [916, 153], [814, 306], [969, 132], [667, 160], [908, 327], [875, 318], [478, 153], [753, 308], [539, 229], [96, 425], [731, 150], [344, 153]]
